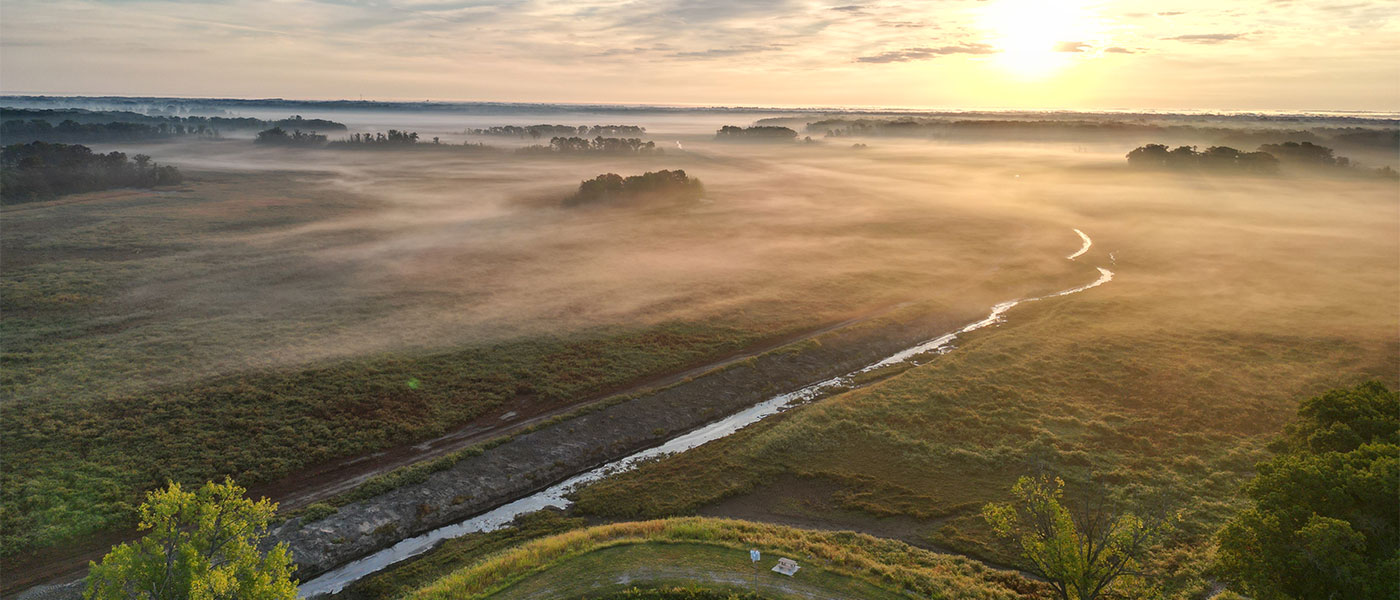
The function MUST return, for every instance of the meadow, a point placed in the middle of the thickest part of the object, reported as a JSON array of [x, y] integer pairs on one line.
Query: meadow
[[1234, 298], [281, 309]]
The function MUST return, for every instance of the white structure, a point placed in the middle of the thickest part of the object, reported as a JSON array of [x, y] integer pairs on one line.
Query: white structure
[[786, 566]]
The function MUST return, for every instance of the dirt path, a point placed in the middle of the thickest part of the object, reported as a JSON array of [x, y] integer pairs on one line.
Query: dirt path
[[314, 484]]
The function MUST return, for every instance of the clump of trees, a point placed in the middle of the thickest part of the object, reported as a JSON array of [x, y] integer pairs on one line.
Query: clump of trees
[[41, 170], [393, 137], [202, 544], [297, 122], [659, 185], [1265, 160], [1306, 154], [1323, 521], [539, 131], [1084, 551], [279, 137], [606, 145], [758, 133], [1157, 156]]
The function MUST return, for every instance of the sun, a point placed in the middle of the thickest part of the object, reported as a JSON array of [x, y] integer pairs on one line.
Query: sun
[[1032, 36]]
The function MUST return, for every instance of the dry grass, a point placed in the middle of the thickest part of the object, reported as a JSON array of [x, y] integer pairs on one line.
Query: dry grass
[[883, 563]]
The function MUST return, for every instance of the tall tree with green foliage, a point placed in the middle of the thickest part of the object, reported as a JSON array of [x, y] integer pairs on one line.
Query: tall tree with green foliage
[[1325, 519], [202, 545], [1083, 553]]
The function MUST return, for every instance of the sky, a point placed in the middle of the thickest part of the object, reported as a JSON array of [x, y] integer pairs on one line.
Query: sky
[[1074, 54]]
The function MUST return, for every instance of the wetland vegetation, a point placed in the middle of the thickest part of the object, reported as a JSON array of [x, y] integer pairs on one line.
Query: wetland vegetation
[[282, 310]]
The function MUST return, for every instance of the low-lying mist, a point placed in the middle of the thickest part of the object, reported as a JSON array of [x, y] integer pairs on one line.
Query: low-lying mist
[[278, 257]]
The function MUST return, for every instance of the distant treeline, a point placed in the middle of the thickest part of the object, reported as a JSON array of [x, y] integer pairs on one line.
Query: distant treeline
[[41, 170], [758, 133], [279, 137], [539, 131], [116, 131], [1372, 137], [58, 115], [601, 145], [1266, 159], [660, 185], [393, 139]]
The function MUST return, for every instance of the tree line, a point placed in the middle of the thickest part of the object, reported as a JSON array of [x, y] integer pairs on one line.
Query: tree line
[[42, 170], [70, 131], [1265, 160], [757, 133], [604, 145], [539, 131], [57, 115], [659, 185], [277, 136], [1071, 129]]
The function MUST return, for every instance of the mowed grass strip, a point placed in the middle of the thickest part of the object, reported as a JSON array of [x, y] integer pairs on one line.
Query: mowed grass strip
[[842, 564]]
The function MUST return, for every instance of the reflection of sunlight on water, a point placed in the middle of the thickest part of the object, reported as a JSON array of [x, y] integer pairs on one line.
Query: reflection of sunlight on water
[[336, 580]]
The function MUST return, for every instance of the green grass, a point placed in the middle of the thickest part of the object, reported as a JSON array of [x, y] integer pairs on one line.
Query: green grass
[[220, 329], [1166, 384], [712, 553], [71, 472], [665, 565], [403, 578]]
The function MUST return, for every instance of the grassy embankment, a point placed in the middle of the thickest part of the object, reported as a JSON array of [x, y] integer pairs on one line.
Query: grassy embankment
[[712, 554], [1233, 301]]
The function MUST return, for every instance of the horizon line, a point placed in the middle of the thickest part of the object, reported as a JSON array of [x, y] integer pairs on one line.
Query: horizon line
[[1391, 114]]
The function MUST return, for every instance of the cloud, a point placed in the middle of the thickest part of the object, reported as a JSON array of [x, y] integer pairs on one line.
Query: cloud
[[726, 52], [1208, 38], [911, 54], [1118, 50], [1071, 47]]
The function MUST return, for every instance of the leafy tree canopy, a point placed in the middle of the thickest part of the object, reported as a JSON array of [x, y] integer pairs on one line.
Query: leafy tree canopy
[[1324, 521], [201, 545], [1084, 552]]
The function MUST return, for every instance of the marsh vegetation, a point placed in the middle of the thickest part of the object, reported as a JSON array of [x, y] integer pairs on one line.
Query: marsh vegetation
[[283, 309]]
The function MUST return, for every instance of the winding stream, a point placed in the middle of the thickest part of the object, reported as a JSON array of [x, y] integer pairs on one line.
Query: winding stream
[[554, 496], [1087, 242]]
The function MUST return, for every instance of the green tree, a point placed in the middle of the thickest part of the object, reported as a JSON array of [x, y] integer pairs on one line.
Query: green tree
[[1083, 553], [202, 545], [1324, 521]]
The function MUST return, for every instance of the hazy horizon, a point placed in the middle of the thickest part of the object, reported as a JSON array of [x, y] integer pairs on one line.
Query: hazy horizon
[[1006, 54]]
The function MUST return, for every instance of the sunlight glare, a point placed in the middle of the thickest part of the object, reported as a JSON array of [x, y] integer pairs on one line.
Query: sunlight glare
[[1029, 32]]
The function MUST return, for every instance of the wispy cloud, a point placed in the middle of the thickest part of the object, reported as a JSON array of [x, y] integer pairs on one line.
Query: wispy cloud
[[923, 53], [1208, 38], [781, 51]]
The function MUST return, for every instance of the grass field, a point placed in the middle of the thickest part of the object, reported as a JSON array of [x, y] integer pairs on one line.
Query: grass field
[[1233, 300], [713, 554], [254, 323], [281, 311]]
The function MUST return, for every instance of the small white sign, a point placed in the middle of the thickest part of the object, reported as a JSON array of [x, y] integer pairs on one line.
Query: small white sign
[[753, 555]]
